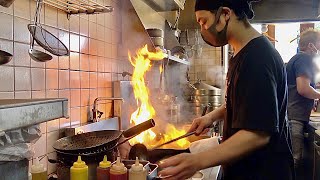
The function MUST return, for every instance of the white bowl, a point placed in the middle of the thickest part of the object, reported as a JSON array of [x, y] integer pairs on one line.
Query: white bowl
[[197, 176]]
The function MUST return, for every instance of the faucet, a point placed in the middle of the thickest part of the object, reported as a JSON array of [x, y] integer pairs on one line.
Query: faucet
[[95, 112]]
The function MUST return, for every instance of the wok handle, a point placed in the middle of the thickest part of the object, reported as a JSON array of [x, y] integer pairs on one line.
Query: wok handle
[[136, 130]]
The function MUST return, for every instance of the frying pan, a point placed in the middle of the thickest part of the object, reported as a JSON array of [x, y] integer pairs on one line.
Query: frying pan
[[98, 141]]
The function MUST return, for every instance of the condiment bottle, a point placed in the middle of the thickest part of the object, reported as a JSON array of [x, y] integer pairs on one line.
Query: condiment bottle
[[79, 170], [137, 171], [118, 171], [103, 170], [38, 171]]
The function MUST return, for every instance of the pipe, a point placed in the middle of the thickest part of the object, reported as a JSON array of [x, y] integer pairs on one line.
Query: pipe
[[95, 110]]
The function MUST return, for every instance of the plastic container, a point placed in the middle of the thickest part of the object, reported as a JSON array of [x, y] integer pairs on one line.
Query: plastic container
[[103, 170], [79, 170], [137, 171], [118, 171], [38, 171]]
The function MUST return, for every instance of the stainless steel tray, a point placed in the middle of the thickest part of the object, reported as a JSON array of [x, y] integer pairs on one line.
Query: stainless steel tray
[[18, 113]]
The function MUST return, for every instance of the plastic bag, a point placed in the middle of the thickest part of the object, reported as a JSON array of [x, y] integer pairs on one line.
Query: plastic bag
[[17, 152], [23, 135], [16, 145]]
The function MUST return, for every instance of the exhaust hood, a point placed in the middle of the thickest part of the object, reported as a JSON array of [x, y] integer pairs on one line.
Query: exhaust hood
[[165, 5], [266, 11]]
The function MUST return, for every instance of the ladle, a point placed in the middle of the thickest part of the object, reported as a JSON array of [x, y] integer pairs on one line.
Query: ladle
[[5, 57], [35, 54]]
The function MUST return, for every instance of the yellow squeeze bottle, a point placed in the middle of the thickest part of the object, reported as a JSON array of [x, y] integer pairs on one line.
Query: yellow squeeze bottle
[[38, 171], [79, 170]]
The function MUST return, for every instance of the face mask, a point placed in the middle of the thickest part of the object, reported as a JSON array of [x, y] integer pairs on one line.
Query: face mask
[[212, 37]]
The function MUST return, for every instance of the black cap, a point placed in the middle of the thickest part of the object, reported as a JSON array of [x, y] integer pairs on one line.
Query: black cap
[[240, 6], [208, 5]]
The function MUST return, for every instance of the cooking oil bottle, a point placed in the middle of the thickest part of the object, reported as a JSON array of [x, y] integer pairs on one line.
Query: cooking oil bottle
[[118, 171], [137, 171], [38, 171], [79, 170], [103, 170]]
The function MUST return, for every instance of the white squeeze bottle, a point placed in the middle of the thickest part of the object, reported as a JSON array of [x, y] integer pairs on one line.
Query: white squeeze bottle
[[137, 171]]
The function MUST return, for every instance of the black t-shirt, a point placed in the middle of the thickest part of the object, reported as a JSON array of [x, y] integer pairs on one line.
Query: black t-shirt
[[257, 100], [299, 107]]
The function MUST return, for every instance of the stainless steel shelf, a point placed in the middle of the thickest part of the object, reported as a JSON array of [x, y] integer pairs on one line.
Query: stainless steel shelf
[[18, 113], [174, 58], [79, 6]]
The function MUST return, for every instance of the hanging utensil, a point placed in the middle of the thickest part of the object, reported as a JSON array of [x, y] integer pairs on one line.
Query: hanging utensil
[[188, 47], [5, 57], [46, 39], [35, 54], [6, 3]]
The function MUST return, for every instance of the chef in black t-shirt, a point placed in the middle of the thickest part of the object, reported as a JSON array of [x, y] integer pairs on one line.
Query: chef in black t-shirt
[[256, 140], [301, 72]]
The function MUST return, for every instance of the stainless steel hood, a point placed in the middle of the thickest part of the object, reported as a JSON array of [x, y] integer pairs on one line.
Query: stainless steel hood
[[165, 5], [266, 11]]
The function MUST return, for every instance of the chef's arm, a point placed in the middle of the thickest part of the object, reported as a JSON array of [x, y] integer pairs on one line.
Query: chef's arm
[[218, 113], [304, 88], [237, 146]]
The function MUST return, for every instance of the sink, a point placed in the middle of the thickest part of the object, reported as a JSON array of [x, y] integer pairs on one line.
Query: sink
[[18, 113]]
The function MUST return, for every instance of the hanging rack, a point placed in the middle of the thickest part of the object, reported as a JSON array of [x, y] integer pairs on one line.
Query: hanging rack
[[79, 6]]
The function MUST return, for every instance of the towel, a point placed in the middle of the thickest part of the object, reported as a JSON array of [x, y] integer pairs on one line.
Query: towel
[[203, 145]]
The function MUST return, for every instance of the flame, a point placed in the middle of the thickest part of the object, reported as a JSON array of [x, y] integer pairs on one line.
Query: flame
[[145, 110]]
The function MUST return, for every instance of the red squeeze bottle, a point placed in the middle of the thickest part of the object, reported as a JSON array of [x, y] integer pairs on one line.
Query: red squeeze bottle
[[118, 171], [103, 170]]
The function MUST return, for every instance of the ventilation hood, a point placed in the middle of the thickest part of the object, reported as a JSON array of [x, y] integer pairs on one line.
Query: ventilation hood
[[266, 11], [165, 5]]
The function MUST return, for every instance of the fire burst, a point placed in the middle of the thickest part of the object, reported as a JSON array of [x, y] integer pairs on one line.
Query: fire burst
[[145, 110]]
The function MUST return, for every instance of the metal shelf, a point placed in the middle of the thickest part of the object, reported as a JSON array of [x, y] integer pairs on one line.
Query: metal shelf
[[176, 59], [18, 113], [79, 6]]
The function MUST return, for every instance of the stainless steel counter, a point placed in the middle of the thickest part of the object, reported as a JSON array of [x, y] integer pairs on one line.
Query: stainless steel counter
[[18, 113]]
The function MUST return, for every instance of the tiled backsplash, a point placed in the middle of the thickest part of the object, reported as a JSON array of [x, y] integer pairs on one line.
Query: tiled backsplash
[[208, 67], [81, 77]]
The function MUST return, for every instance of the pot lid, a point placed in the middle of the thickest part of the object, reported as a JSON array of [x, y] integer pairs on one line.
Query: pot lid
[[201, 85]]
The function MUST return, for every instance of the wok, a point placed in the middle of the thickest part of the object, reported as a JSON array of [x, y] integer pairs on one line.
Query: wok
[[99, 141], [154, 155]]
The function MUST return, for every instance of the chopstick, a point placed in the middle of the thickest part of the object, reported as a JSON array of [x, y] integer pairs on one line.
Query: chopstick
[[175, 139]]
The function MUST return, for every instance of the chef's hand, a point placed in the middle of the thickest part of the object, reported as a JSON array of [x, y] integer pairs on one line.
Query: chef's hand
[[179, 167], [201, 125], [124, 149]]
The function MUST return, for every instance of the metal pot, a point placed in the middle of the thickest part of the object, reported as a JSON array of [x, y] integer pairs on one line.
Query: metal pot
[[203, 99], [154, 32], [157, 41], [206, 89]]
